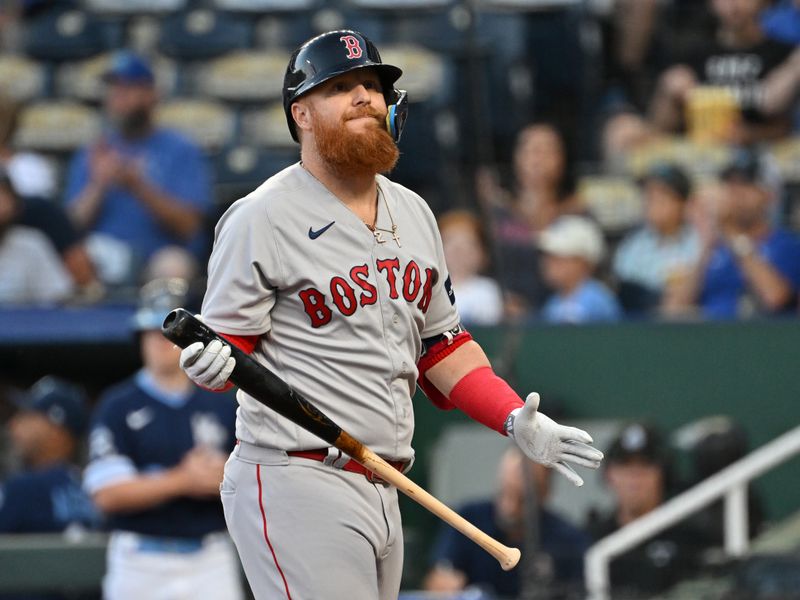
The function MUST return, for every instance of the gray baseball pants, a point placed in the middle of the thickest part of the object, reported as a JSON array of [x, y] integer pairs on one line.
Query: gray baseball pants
[[308, 531]]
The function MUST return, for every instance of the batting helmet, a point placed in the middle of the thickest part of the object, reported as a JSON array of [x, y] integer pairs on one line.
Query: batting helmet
[[331, 54]]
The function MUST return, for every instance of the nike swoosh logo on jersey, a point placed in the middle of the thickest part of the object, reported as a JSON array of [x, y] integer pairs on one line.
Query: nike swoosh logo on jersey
[[138, 419], [315, 234]]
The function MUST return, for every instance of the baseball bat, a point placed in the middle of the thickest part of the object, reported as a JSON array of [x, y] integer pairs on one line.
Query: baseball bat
[[183, 329]]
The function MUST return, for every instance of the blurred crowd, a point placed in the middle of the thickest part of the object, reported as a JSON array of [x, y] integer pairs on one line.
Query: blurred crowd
[[145, 463], [588, 162], [640, 473], [599, 161]]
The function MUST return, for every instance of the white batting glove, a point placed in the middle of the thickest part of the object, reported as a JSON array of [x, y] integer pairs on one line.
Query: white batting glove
[[553, 445], [208, 366]]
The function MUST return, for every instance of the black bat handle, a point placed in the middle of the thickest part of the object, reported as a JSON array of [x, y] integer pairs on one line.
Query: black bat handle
[[183, 329]]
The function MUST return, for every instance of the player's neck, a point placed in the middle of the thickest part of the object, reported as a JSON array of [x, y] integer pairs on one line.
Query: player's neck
[[357, 192]]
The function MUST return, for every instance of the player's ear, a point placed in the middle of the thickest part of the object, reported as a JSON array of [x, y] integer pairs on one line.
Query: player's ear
[[301, 113]]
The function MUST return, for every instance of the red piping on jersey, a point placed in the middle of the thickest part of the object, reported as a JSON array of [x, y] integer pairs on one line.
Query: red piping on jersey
[[266, 536]]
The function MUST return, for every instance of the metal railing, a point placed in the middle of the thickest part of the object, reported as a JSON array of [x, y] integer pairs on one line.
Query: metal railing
[[730, 483]]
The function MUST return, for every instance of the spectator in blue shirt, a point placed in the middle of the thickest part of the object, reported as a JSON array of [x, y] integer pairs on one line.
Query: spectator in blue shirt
[[782, 22], [664, 249], [572, 247], [140, 187], [157, 448], [45, 432], [748, 267], [517, 516]]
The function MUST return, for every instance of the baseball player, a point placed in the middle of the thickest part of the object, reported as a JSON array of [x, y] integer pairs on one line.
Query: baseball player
[[333, 277], [157, 447]]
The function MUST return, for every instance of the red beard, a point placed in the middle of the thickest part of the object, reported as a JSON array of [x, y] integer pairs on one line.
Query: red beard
[[347, 153]]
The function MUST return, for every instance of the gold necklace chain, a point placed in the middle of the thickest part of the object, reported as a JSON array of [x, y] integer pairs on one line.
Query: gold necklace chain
[[377, 232]]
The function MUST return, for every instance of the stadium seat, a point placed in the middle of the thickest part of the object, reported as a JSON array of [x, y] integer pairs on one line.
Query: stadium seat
[[527, 5], [787, 158], [203, 33], [424, 72], [614, 201], [210, 124], [283, 30], [267, 127], [244, 76], [143, 34], [69, 34], [56, 126], [398, 5], [134, 7], [401, 21], [83, 80], [240, 169], [265, 6], [700, 160], [23, 79]]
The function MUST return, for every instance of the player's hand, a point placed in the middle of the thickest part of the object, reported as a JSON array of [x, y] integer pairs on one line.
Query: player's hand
[[208, 365], [553, 445]]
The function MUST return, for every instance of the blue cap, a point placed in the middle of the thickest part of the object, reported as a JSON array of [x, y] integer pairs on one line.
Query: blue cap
[[63, 403], [129, 67]]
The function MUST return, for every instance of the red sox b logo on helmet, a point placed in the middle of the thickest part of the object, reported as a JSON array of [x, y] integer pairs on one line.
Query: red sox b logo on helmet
[[353, 46]]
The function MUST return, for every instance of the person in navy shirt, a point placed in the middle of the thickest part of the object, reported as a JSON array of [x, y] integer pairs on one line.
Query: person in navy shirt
[[552, 547], [748, 267], [139, 187], [45, 433], [158, 445]]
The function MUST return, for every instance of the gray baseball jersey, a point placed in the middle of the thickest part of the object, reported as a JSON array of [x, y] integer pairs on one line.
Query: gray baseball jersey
[[341, 314]]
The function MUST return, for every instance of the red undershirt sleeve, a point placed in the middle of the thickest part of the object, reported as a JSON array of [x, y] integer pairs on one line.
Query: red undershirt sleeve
[[441, 349], [481, 394], [245, 343]]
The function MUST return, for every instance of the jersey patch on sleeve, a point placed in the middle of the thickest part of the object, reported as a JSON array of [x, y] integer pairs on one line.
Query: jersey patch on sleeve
[[448, 287]]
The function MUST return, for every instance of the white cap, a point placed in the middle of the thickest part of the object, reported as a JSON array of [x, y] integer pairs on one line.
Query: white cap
[[573, 236]]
